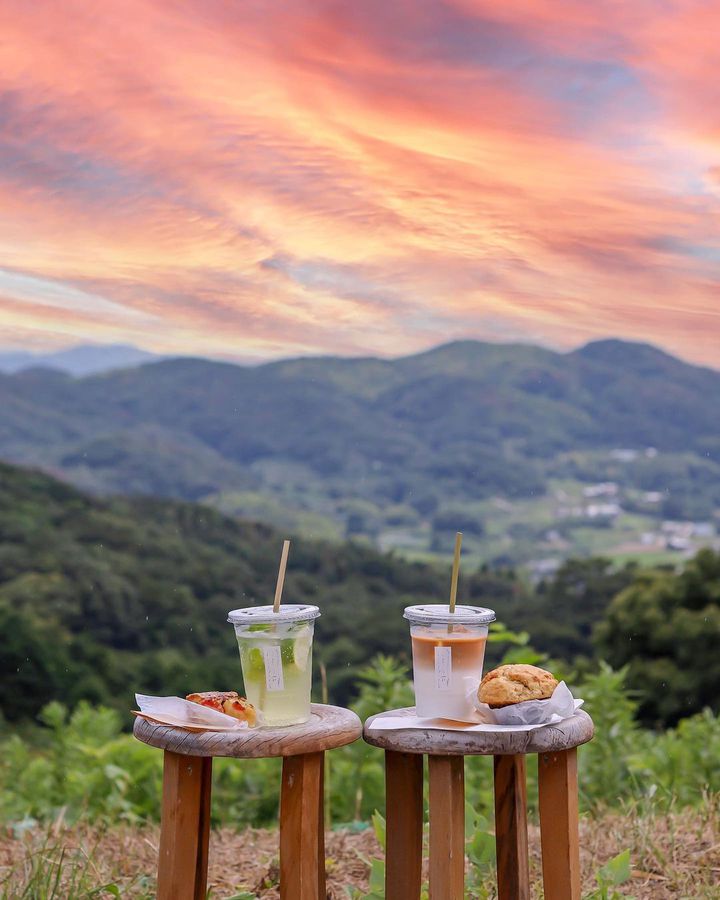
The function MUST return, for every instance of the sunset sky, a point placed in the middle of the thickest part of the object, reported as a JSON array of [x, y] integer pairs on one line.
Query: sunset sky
[[256, 179]]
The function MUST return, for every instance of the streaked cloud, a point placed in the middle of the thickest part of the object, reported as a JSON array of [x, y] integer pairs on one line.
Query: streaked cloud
[[300, 177]]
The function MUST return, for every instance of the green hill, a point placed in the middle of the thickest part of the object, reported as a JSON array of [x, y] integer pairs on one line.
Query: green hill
[[99, 599], [335, 446]]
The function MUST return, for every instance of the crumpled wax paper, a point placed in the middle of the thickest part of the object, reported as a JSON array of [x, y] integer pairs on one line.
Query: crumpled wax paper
[[176, 711], [561, 705], [522, 717]]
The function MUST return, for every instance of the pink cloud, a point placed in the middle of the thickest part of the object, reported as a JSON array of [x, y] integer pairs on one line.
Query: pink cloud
[[363, 178]]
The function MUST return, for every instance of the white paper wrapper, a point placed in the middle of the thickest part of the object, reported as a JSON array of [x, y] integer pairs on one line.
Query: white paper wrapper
[[522, 717], [560, 706], [176, 711]]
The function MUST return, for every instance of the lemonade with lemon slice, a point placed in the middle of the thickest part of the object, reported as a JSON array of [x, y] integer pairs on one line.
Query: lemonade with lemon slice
[[276, 659]]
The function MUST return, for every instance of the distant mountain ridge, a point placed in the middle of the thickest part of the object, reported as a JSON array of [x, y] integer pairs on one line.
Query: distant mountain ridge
[[469, 419], [85, 359]]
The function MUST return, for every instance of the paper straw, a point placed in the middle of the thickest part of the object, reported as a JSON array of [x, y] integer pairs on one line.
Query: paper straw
[[455, 571], [281, 576]]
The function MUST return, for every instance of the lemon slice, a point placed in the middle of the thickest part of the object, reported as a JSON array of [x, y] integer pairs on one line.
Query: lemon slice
[[255, 662], [301, 649]]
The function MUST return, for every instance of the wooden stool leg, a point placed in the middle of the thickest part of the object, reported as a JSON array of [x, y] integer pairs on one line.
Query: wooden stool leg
[[447, 827], [185, 827], [511, 838], [302, 828], [403, 825], [559, 824]]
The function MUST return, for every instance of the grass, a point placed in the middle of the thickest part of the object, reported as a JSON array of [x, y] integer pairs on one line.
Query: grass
[[73, 864], [671, 856]]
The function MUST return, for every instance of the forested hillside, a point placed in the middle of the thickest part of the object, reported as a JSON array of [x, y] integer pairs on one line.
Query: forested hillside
[[99, 598], [482, 418], [102, 598], [501, 441]]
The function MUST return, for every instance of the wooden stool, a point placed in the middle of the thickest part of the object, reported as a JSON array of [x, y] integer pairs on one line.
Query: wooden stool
[[185, 822], [557, 765]]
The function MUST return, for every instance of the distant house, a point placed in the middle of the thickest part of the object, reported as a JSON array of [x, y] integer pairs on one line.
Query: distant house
[[569, 512], [678, 529], [603, 510], [624, 455], [553, 536], [502, 504], [604, 489], [675, 542], [542, 568]]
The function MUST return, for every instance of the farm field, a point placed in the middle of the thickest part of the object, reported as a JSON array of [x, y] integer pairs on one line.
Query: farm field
[[535, 533]]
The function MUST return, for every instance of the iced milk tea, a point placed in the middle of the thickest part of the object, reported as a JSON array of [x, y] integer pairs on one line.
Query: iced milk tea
[[448, 654]]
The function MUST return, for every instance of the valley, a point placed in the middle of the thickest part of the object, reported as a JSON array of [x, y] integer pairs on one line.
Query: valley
[[536, 456]]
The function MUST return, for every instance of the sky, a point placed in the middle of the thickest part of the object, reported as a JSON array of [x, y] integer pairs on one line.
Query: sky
[[262, 179]]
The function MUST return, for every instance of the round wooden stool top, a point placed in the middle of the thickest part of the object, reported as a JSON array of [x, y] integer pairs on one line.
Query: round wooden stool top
[[329, 727], [570, 733]]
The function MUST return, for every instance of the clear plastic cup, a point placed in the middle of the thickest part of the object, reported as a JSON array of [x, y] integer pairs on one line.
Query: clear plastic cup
[[276, 658], [448, 654]]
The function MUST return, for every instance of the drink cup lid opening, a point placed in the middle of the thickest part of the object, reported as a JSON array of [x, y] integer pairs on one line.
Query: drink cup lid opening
[[439, 614], [264, 615]]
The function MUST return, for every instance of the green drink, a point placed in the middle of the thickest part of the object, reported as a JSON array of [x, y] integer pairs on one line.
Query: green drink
[[276, 659]]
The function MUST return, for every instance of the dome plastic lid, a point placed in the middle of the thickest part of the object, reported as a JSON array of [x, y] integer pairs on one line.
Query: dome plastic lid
[[439, 614], [264, 615]]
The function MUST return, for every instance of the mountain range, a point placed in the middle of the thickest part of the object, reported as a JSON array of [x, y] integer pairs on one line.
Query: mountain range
[[464, 421], [86, 359]]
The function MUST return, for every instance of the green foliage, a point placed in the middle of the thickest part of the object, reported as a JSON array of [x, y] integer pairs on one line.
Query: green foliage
[[480, 851], [357, 780], [614, 873], [606, 773], [87, 768], [565, 609], [666, 628], [83, 766], [681, 764], [376, 880], [629, 764]]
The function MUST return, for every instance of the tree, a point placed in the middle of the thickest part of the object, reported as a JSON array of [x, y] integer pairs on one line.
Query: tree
[[666, 628], [564, 610], [34, 665]]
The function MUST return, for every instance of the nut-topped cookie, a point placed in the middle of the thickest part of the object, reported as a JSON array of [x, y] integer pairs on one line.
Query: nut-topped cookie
[[512, 684]]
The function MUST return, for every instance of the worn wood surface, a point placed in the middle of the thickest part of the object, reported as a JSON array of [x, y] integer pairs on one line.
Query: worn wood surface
[[329, 727], [302, 828], [511, 828], [403, 825], [185, 828], [559, 826], [447, 827], [570, 733]]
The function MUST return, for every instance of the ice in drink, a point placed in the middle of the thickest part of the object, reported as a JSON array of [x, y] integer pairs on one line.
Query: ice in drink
[[276, 658], [448, 654]]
